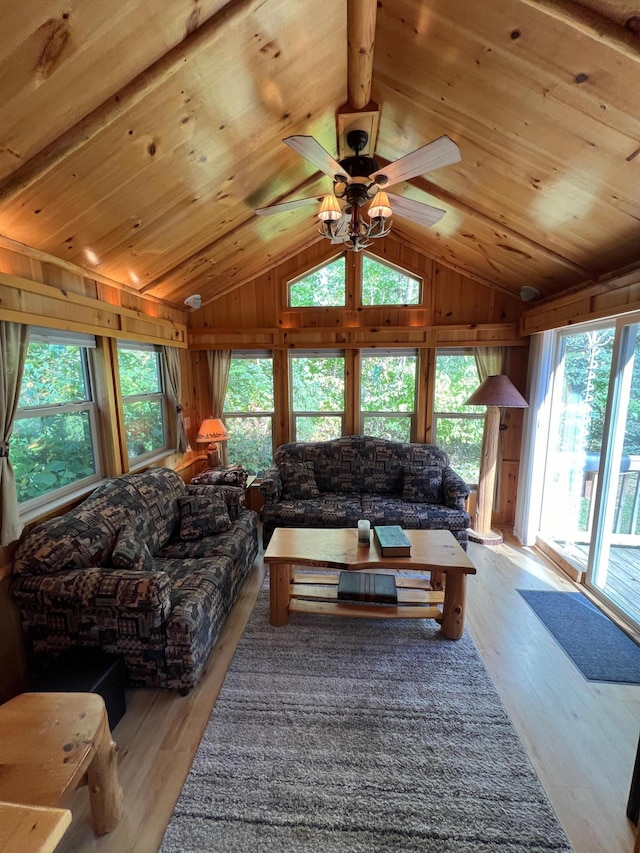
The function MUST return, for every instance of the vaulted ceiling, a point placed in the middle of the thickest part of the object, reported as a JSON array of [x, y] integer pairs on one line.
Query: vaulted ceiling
[[137, 139]]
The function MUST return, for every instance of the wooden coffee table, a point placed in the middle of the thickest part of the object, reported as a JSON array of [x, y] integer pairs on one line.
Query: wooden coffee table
[[440, 597]]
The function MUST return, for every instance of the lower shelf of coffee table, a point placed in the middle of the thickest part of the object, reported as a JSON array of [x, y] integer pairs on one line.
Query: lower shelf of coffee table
[[318, 593]]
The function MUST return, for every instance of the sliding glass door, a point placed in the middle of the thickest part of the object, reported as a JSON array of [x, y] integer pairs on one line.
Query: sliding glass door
[[591, 495], [614, 564], [579, 394]]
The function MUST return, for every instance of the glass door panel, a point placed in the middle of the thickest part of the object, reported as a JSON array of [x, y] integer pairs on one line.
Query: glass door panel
[[580, 386], [614, 569]]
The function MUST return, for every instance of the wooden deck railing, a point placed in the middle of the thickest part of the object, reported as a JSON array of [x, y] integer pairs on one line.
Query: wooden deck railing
[[626, 520]]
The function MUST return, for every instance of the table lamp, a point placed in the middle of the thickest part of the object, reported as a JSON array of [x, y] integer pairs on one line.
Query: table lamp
[[213, 431], [495, 392]]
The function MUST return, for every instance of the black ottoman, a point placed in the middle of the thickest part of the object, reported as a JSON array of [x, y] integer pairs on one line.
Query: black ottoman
[[83, 669]]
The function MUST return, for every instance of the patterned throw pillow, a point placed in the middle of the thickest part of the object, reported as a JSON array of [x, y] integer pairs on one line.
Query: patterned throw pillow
[[422, 483], [298, 481], [227, 475], [233, 495], [131, 552], [202, 515]]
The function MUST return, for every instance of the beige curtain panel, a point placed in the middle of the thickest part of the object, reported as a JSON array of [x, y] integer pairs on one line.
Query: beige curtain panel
[[14, 340], [219, 366], [173, 385]]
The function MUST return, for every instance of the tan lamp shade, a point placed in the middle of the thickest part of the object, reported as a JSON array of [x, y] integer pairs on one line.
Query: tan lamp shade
[[212, 429], [497, 391], [330, 208]]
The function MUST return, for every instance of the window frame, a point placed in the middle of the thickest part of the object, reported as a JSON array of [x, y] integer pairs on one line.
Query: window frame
[[395, 352], [295, 413], [142, 460], [87, 345], [444, 415], [266, 414], [384, 263], [326, 263]]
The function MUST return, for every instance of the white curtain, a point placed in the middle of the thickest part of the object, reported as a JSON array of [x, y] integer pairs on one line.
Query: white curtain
[[219, 366], [173, 385], [14, 340]]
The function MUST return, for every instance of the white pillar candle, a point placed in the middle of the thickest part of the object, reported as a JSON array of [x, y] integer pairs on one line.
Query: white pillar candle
[[364, 532]]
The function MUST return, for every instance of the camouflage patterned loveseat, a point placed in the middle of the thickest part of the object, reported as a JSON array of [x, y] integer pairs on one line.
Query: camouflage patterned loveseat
[[145, 567], [335, 483]]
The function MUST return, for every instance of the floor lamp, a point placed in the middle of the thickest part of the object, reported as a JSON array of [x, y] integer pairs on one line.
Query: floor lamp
[[495, 392], [212, 431]]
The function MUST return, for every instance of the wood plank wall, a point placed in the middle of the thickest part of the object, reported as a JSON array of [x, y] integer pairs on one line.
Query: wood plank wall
[[454, 312]]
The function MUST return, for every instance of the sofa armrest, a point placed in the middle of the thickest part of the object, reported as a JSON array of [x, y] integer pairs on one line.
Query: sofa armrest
[[454, 489], [271, 486], [97, 588]]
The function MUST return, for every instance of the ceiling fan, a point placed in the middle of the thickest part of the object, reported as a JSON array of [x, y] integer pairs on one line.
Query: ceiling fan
[[357, 179]]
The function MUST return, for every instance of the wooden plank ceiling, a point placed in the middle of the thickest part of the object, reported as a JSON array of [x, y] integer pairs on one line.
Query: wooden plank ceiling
[[137, 139]]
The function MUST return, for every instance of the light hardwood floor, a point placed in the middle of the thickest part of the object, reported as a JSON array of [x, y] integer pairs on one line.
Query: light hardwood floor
[[581, 737]]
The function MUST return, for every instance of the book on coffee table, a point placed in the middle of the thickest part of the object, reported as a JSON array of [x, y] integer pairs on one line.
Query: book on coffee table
[[365, 586], [392, 540]]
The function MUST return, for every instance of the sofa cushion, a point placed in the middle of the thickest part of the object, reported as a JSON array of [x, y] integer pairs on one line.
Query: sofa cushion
[[202, 515], [330, 509], [298, 481], [388, 509], [233, 495], [73, 541], [421, 483], [131, 552]]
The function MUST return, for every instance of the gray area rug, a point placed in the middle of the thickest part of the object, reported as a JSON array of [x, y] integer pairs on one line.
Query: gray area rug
[[335, 735]]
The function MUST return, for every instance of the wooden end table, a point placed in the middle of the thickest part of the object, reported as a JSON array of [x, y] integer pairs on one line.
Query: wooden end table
[[50, 743], [441, 597]]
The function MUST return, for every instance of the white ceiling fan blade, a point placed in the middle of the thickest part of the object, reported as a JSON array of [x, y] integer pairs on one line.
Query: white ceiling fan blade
[[433, 155], [311, 150], [288, 205], [416, 211]]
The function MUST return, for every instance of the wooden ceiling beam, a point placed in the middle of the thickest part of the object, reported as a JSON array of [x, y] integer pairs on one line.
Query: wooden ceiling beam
[[76, 269], [361, 35], [128, 97], [443, 195], [591, 24]]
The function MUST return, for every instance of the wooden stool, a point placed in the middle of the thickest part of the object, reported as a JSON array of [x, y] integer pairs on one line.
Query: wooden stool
[[50, 744]]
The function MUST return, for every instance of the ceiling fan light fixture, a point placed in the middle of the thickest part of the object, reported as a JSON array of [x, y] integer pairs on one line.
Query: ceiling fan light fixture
[[330, 209], [380, 207]]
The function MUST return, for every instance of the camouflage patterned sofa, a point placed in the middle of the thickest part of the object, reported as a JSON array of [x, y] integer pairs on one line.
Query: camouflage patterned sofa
[[335, 483], [145, 567]]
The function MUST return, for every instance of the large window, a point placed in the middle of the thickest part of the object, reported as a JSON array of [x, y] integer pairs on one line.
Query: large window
[[143, 400], [458, 428], [383, 284], [321, 288], [248, 411], [54, 445], [317, 396], [388, 394]]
